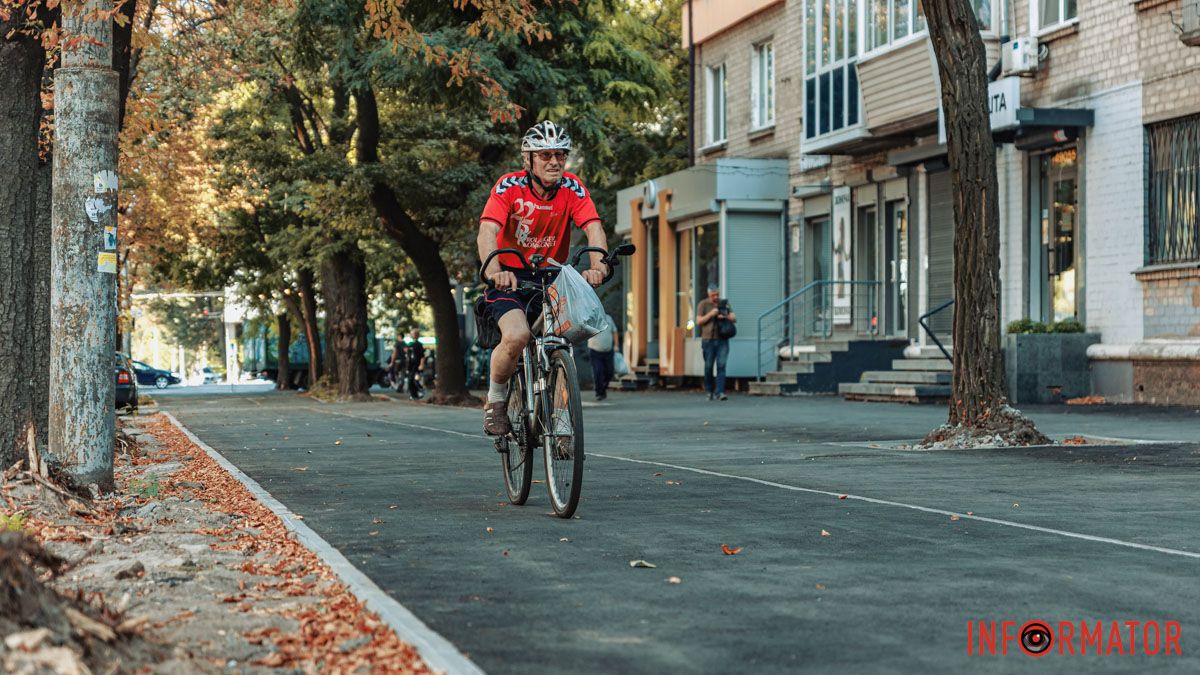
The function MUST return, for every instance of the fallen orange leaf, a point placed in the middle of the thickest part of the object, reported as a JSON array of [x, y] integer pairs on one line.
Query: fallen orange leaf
[[841, 496], [730, 551]]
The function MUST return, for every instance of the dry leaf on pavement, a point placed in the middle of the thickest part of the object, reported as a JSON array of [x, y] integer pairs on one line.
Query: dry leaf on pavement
[[824, 533], [674, 580], [642, 563], [730, 551]]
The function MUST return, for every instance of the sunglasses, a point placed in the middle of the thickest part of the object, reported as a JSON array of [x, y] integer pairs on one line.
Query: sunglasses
[[547, 155]]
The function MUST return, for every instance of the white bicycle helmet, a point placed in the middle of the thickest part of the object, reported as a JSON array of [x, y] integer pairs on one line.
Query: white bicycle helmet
[[546, 135]]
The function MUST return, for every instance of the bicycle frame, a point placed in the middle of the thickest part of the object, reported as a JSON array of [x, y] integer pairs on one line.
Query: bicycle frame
[[536, 368]]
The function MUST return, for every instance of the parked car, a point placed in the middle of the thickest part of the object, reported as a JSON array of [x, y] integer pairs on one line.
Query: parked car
[[127, 390], [156, 376], [211, 376]]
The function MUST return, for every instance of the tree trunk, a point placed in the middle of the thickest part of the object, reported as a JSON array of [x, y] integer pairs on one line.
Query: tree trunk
[[308, 319], [40, 273], [343, 283], [21, 65], [451, 385], [83, 289], [121, 53], [283, 379], [978, 406], [450, 388]]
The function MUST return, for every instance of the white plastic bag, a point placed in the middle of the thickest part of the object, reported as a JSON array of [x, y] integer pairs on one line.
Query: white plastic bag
[[620, 365], [574, 310]]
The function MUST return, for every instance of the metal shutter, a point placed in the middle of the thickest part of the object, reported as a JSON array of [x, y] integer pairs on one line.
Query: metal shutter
[[941, 252]]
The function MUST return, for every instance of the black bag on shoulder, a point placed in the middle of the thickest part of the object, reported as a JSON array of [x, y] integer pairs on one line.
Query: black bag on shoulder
[[726, 329], [487, 332]]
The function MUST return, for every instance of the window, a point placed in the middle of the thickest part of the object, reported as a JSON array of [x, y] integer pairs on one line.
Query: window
[[890, 21], [831, 96], [716, 104], [1050, 13], [762, 87], [1173, 191]]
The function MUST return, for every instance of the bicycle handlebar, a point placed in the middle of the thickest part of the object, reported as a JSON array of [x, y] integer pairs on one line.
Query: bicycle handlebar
[[611, 260]]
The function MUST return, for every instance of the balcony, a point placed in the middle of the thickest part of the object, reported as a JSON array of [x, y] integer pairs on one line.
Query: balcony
[[901, 90]]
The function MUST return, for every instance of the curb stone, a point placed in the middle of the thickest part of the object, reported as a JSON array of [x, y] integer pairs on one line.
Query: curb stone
[[437, 651]]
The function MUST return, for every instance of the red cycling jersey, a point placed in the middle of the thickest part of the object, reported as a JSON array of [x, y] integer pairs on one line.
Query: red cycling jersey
[[534, 225]]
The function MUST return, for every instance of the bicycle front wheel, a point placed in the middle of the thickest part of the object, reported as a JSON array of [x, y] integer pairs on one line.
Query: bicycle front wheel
[[518, 461], [562, 435]]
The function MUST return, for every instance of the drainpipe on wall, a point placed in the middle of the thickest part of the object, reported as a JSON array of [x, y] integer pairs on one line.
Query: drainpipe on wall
[[691, 88]]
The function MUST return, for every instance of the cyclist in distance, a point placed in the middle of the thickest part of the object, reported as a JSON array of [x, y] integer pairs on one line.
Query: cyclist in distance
[[532, 211]]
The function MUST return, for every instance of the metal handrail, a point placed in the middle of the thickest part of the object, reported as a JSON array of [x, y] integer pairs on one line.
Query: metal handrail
[[822, 305], [929, 331]]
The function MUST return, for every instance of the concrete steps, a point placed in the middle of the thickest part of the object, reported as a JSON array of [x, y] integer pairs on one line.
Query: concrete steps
[[894, 391], [907, 376], [819, 367], [923, 376]]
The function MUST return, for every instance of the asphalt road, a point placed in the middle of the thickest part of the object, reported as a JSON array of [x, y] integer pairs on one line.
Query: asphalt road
[[925, 542]]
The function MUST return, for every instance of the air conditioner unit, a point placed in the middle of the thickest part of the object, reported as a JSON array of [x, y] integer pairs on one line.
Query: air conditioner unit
[[1019, 57], [1191, 23]]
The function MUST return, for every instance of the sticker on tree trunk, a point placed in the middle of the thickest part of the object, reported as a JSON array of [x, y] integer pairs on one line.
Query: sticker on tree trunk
[[96, 207], [110, 238], [106, 262], [104, 181]]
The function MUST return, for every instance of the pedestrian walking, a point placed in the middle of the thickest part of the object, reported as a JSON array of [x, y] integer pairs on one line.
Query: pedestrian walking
[[600, 349], [414, 353], [717, 324], [395, 364]]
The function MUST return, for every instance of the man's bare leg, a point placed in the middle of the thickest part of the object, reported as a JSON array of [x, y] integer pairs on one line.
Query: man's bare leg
[[514, 335]]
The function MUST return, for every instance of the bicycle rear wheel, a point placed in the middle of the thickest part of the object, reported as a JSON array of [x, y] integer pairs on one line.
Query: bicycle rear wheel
[[562, 439], [517, 463]]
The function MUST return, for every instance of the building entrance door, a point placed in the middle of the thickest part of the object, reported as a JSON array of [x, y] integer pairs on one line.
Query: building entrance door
[[1053, 228], [896, 268], [820, 250]]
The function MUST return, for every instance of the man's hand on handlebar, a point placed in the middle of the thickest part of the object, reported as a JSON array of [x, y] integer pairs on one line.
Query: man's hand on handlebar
[[595, 276], [503, 280]]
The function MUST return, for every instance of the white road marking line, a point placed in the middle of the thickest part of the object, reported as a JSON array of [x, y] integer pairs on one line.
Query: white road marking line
[[795, 488], [884, 502]]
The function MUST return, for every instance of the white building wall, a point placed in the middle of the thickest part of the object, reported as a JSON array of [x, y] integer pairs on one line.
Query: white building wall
[[1010, 174], [1113, 211]]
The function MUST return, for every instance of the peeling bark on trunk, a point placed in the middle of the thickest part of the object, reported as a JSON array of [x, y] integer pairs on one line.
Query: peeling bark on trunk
[[21, 66], [978, 404], [343, 284], [283, 376]]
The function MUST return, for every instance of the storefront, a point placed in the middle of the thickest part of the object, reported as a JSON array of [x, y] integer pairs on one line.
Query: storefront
[[720, 223]]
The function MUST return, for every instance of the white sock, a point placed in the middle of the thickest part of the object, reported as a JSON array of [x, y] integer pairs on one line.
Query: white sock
[[497, 391]]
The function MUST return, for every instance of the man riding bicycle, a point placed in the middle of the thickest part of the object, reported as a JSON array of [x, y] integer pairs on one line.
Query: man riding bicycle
[[531, 211]]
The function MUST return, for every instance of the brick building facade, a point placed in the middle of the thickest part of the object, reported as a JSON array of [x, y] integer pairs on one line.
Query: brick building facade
[[1091, 180]]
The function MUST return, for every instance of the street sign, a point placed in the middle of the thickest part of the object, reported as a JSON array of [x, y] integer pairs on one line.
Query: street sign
[[1004, 97]]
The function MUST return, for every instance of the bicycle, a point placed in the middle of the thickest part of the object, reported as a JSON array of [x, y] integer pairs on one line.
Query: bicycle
[[549, 413]]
